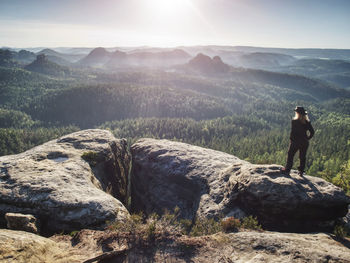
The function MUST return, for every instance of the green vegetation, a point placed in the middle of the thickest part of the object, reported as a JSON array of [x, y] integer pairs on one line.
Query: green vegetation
[[91, 157], [249, 138], [250, 222], [155, 226], [13, 141], [230, 224], [340, 231], [243, 112], [342, 179]]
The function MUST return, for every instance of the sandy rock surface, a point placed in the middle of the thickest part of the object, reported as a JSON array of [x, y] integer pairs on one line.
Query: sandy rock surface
[[62, 189], [204, 182], [242, 247], [17, 221], [19, 246]]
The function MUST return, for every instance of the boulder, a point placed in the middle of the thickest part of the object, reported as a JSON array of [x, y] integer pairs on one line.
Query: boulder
[[208, 183], [17, 221], [291, 203], [69, 183], [19, 246], [245, 246]]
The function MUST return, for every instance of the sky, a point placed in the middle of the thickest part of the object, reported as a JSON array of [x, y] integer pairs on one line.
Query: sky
[[162, 23]]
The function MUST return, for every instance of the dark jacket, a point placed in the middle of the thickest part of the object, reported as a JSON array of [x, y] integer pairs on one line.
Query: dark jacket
[[299, 130]]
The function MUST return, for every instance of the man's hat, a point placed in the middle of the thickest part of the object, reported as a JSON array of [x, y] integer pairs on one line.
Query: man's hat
[[300, 110]]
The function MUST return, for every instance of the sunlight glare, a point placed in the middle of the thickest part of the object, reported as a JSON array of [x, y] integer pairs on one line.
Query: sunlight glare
[[168, 11], [166, 8]]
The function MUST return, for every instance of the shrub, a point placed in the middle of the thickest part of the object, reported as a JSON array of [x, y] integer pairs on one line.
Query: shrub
[[151, 230], [340, 231], [73, 233], [169, 223], [230, 224], [186, 225], [205, 226], [251, 222], [131, 225]]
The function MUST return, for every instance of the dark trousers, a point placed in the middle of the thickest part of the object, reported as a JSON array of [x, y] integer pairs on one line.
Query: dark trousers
[[293, 148]]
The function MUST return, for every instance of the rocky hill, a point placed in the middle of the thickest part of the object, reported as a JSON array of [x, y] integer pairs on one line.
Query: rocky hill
[[81, 180], [43, 65], [96, 58], [207, 65]]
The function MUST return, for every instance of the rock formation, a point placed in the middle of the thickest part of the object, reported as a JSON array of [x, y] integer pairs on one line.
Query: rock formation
[[64, 182], [246, 246], [205, 64], [17, 221], [208, 183], [19, 246]]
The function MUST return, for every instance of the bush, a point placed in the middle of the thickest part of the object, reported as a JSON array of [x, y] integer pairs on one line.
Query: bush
[[230, 224], [132, 225], [73, 233], [205, 226], [340, 231], [151, 230], [251, 222]]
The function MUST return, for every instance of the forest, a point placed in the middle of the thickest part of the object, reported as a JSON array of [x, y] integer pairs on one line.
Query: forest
[[242, 111]]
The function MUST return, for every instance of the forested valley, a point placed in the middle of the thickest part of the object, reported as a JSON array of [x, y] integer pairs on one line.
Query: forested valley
[[207, 102]]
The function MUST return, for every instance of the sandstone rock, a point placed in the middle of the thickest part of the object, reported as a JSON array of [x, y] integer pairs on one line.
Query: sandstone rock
[[284, 202], [17, 221], [63, 190], [167, 174], [247, 246], [19, 246], [346, 220], [204, 182]]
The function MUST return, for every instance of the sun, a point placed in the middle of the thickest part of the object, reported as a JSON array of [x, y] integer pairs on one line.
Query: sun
[[168, 10], [168, 22], [169, 7]]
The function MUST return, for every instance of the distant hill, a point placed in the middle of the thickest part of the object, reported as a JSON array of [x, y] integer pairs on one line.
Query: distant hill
[[317, 88], [333, 71], [44, 66], [100, 57], [24, 56], [343, 54], [117, 59], [204, 64], [175, 54], [96, 58], [264, 60], [7, 58], [320, 66], [60, 58]]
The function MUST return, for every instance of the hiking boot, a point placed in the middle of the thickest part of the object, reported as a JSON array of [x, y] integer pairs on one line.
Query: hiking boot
[[301, 173], [285, 171]]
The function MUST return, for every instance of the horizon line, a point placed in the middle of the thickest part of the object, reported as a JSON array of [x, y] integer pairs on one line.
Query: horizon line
[[177, 46]]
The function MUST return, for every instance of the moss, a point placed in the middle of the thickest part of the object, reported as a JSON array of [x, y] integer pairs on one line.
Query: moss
[[91, 157]]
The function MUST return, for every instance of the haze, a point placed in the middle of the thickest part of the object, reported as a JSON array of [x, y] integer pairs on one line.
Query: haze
[[274, 23]]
